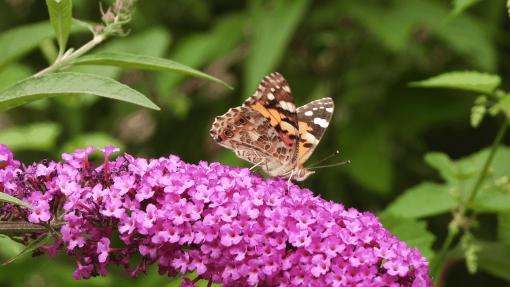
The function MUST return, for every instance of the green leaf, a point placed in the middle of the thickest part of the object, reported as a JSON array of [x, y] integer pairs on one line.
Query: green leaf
[[443, 164], [425, 199], [37, 136], [143, 62], [18, 41], [61, 19], [31, 247], [411, 231], [462, 80], [460, 5], [273, 29], [368, 148], [61, 84], [494, 258], [503, 105], [13, 200], [504, 228], [198, 50], [93, 139], [12, 74]]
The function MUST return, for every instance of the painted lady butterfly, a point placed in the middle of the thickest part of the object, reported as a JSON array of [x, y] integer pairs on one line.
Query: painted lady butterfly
[[268, 131]]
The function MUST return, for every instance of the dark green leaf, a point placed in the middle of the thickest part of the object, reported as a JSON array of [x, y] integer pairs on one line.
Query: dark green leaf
[[368, 150], [411, 231], [61, 84], [460, 5], [44, 239], [198, 50], [36, 136], [494, 258], [462, 80], [136, 61], [13, 200], [274, 29], [504, 228], [61, 19], [423, 200]]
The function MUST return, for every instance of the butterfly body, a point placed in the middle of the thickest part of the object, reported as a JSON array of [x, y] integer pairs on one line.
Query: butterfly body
[[269, 131]]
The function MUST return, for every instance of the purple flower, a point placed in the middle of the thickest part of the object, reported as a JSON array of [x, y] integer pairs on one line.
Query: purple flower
[[223, 223]]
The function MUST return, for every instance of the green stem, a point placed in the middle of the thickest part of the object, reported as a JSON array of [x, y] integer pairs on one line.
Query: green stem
[[438, 262], [16, 228], [70, 56]]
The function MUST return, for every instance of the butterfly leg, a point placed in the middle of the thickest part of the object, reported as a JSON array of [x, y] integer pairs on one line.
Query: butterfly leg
[[290, 178], [259, 163]]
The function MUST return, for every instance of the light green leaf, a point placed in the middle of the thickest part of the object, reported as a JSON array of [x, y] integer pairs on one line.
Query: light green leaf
[[423, 200], [12, 74], [43, 240], [61, 19], [462, 80], [13, 200], [443, 164], [143, 62], [411, 231], [503, 105], [460, 5], [504, 228], [37, 136], [273, 29], [93, 139], [494, 258], [61, 84]]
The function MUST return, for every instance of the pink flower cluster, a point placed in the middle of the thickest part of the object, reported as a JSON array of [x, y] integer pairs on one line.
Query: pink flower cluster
[[223, 223]]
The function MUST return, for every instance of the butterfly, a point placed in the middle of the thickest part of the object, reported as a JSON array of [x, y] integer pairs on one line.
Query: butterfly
[[269, 131]]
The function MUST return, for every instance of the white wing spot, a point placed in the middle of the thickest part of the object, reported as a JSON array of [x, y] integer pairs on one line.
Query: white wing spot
[[321, 122], [270, 96], [329, 110], [286, 89], [288, 106], [308, 113]]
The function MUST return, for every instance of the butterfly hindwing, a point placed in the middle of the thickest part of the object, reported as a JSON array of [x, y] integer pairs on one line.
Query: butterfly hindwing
[[313, 119], [249, 135]]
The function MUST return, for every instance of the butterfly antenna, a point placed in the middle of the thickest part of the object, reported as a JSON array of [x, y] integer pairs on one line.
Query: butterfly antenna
[[337, 152], [331, 165]]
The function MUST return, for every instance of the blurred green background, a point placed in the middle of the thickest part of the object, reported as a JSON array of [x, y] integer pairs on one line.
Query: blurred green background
[[363, 54]]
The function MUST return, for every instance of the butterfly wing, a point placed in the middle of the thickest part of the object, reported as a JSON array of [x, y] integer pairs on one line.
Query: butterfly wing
[[274, 101], [249, 135], [264, 129], [313, 119]]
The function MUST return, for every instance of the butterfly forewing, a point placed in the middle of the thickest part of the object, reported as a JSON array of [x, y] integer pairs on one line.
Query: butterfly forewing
[[274, 101], [313, 119]]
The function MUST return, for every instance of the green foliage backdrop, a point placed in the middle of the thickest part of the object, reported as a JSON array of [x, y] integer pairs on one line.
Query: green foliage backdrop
[[411, 148]]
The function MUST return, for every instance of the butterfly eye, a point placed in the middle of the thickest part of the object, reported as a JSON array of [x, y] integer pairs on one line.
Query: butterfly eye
[[228, 133]]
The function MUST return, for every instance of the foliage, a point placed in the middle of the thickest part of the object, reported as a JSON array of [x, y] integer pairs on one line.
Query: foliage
[[430, 162]]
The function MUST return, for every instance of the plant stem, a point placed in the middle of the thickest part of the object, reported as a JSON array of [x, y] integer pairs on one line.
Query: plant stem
[[16, 228], [70, 56], [438, 262]]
